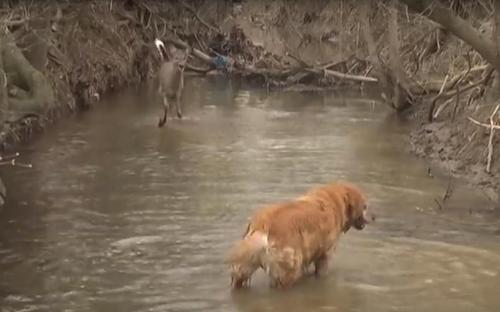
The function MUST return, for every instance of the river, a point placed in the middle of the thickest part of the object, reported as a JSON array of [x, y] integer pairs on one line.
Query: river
[[119, 215]]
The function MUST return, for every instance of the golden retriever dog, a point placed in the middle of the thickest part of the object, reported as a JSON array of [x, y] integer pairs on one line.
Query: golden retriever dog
[[285, 238]]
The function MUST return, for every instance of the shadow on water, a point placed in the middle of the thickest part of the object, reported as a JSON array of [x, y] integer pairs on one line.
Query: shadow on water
[[118, 215]]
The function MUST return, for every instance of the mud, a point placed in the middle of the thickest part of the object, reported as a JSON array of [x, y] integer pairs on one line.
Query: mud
[[460, 148]]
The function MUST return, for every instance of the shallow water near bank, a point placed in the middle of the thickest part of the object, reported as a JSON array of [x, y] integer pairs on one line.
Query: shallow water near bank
[[118, 215]]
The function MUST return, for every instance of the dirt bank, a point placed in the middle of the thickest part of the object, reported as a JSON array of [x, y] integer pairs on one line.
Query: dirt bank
[[461, 147], [78, 51]]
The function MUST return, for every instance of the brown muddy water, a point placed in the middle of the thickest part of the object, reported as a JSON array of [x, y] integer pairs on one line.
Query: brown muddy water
[[118, 215]]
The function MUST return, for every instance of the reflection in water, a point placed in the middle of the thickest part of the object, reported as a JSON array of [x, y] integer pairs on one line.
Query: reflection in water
[[118, 215]]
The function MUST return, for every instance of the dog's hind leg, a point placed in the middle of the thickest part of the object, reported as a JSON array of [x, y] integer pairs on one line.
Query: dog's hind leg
[[286, 268]]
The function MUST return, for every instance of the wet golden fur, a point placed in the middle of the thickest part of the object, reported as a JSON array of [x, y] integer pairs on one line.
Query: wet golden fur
[[285, 238]]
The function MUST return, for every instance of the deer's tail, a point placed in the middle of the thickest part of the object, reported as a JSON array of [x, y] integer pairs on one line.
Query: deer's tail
[[162, 49]]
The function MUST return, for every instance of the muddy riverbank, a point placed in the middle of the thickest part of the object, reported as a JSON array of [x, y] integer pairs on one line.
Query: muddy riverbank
[[87, 49]]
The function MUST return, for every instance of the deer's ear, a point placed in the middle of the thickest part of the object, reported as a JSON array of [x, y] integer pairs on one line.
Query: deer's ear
[[186, 54], [170, 51], [171, 48]]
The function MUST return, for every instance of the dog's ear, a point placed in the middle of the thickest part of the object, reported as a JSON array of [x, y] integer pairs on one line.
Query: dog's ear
[[357, 212], [348, 212], [354, 206]]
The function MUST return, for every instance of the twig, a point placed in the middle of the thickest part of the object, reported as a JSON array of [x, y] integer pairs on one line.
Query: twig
[[489, 126], [350, 77], [492, 126], [11, 160], [8, 157], [448, 192], [438, 203], [298, 59], [455, 108], [368, 70], [442, 107], [433, 103], [469, 67], [193, 11], [469, 140]]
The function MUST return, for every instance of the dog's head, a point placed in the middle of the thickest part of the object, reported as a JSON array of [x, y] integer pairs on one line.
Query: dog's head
[[357, 212]]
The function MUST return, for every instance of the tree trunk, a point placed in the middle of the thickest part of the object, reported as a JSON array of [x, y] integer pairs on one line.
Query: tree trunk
[[494, 93], [458, 27], [3, 87], [392, 78], [34, 92]]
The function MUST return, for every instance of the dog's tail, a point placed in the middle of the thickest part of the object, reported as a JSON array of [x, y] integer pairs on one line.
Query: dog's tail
[[162, 49], [246, 257]]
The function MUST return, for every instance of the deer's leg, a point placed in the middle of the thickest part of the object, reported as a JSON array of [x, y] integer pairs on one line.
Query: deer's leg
[[163, 120], [178, 106]]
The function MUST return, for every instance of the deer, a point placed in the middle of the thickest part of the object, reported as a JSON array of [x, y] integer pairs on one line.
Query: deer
[[171, 77]]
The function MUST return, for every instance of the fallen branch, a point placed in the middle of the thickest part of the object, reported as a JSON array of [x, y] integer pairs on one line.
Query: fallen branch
[[280, 73], [298, 59], [199, 54], [198, 70], [451, 94], [434, 100], [340, 75], [12, 23]]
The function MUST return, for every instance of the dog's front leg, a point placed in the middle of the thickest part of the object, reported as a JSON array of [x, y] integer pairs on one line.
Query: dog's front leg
[[321, 265]]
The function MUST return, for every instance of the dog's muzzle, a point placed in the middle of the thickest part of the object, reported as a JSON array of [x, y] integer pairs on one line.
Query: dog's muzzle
[[363, 220], [368, 217]]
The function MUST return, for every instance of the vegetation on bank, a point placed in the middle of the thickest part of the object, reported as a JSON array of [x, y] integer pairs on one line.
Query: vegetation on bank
[[439, 59]]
